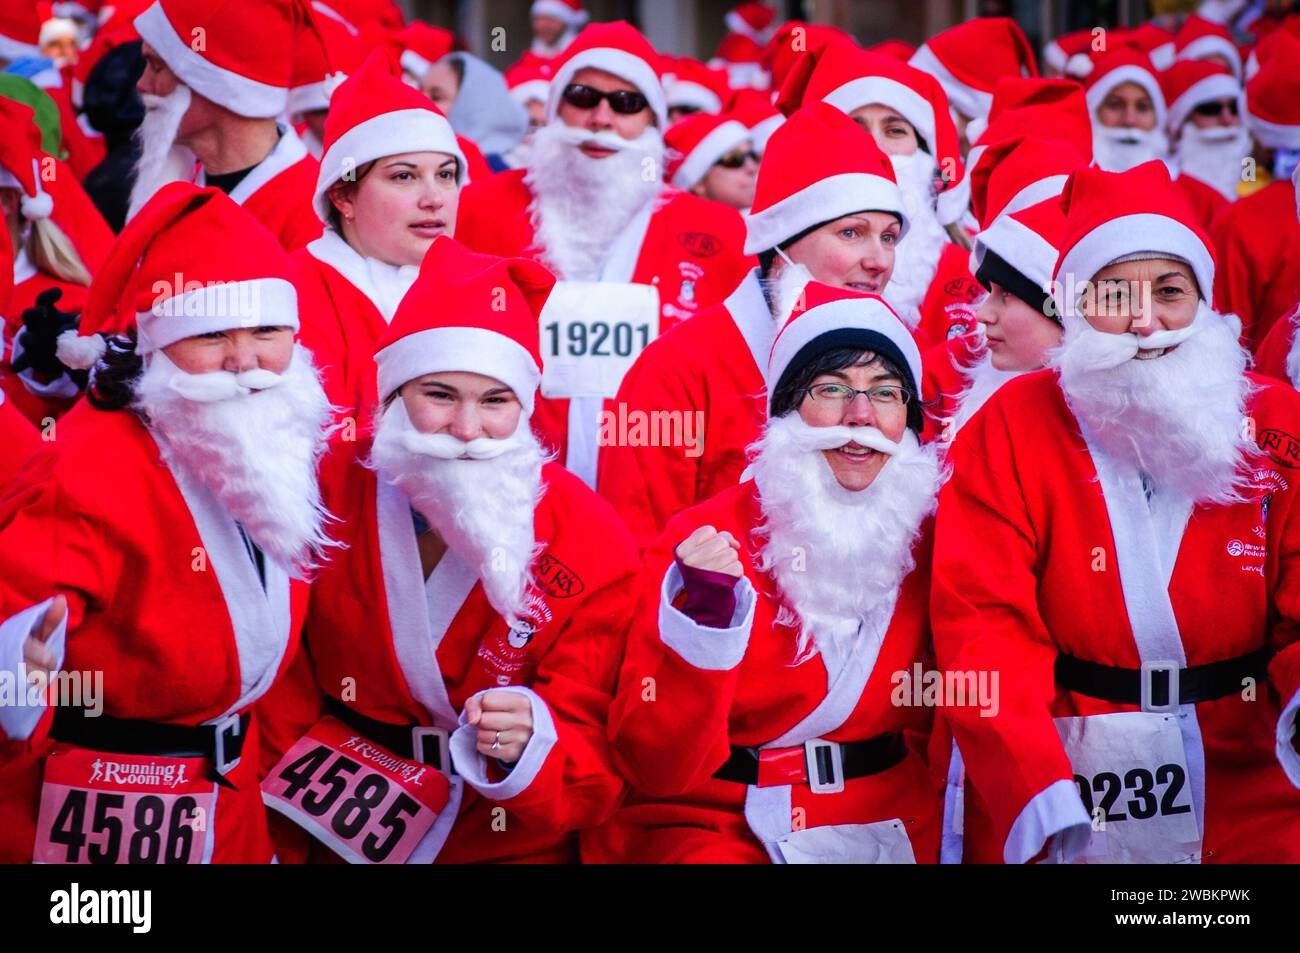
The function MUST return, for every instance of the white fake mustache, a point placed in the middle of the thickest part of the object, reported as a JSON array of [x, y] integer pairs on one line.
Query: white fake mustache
[[214, 386], [812, 438], [605, 139], [1100, 350], [443, 446]]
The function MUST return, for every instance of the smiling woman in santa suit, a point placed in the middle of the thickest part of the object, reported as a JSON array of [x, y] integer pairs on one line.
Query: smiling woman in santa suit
[[1118, 543], [463, 648], [756, 714], [152, 556], [389, 184]]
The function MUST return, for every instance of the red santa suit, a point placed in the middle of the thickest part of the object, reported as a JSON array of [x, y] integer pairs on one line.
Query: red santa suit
[[743, 51], [706, 374], [433, 643], [16, 431], [1274, 352], [693, 694]]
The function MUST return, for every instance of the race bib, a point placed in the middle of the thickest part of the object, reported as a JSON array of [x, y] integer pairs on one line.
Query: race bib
[[361, 800], [99, 808], [1131, 772], [591, 333], [884, 842]]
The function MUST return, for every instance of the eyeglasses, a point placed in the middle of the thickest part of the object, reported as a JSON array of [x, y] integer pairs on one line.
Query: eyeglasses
[[887, 395], [734, 160], [1213, 109], [625, 102]]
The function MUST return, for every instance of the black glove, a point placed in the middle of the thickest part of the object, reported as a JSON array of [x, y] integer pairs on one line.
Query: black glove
[[42, 326]]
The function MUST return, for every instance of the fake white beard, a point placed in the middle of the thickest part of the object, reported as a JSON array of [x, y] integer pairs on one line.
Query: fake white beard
[[1293, 353], [479, 497], [254, 440], [783, 291], [1178, 418], [161, 159], [581, 205], [916, 257], [838, 556], [1118, 150], [1214, 156], [982, 382]]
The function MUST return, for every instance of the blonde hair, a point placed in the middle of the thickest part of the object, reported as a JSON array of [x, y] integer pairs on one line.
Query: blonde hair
[[52, 252]]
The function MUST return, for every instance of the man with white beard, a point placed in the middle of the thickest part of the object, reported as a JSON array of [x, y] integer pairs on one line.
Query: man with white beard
[[472, 623], [212, 108], [1209, 140], [163, 541], [1127, 107], [777, 616], [594, 207], [1118, 543]]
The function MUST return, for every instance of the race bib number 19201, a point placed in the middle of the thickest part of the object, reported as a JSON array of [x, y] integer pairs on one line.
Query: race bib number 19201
[[99, 808], [358, 798], [591, 333]]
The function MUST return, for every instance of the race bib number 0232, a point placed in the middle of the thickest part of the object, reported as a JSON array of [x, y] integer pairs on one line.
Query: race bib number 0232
[[591, 333], [100, 808], [358, 798]]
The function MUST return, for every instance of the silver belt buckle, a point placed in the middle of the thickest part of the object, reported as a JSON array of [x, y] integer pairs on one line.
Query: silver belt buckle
[[226, 726], [1149, 668], [835, 783], [419, 736]]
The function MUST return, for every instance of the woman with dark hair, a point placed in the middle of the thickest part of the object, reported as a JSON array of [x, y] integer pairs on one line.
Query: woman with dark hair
[[758, 714]]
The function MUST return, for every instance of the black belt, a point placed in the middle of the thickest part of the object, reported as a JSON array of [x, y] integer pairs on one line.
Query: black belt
[[822, 765], [1153, 685], [222, 743], [414, 742]]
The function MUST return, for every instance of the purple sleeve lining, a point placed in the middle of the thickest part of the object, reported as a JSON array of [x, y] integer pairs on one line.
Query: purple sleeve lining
[[710, 596]]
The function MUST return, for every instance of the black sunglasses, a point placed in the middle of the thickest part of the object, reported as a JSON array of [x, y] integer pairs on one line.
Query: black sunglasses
[[734, 160], [1212, 109], [625, 102]]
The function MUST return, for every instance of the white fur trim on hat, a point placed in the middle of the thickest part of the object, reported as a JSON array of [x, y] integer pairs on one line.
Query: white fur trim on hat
[[1020, 247], [218, 306], [1217, 86], [534, 90], [621, 63], [1162, 56], [1144, 231], [967, 100], [868, 314], [80, 352], [414, 63], [711, 148], [1054, 56], [1272, 135], [561, 11], [388, 134], [1040, 191], [762, 131], [11, 49], [823, 201], [1128, 73], [736, 24], [240, 94], [683, 93], [1206, 46], [953, 203], [866, 90], [480, 350]]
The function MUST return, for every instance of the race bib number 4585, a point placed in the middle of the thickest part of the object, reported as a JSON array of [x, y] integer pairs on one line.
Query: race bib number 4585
[[99, 808]]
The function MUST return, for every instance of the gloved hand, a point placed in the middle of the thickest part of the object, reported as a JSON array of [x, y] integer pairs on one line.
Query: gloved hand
[[42, 326]]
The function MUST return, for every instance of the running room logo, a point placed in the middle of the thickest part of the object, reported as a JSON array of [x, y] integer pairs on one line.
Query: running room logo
[[1281, 447], [151, 774], [700, 244], [556, 579], [386, 760]]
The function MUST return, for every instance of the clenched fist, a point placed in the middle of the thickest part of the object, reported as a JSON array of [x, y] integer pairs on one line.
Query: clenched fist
[[706, 548], [504, 719]]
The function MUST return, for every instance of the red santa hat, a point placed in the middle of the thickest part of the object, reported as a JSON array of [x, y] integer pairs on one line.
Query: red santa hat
[[1123, 64], [851, 78], [468, 312], [234, 53], [20, 30], [20, 158], [422, 46], [1273, 96], [119, 28], [1114, 215], [826, 318], [365, 15], [1188, 83], [1027, 242], [1057, 52], [617, 48], [753, 20], [528, 83], [372, 115], [1050, 108], [753, 108], [898, 49], [794, 38], [1153, 40], [968, 59], [1199, 38], [1019, 172], [698, 142], [191, 262], [1268, 42], [320, 65], [695, 85], [569, 12], [819, 166]]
